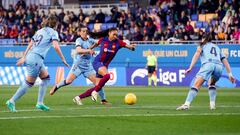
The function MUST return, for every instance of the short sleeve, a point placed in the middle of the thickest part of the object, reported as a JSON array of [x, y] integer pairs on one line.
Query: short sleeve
[[100, 40], [78, 43], [121, 43], [55, 35], [92, 41], [222, 56]]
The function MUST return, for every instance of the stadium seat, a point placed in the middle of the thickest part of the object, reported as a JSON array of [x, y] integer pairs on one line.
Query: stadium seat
[[211, 16], [199, 25], [91, 26], [194, 17], [103, 26], [193, 23], [111, 25], [107, 18], [97, 26], [204, 24], [202, 17]]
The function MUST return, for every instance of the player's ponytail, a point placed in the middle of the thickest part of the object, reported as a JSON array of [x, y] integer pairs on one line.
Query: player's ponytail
[[207, 37]]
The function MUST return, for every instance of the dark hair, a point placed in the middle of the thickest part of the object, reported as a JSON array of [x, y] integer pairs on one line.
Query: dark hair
[[207, 37], [51, 21], [100, 34], [81, 27]]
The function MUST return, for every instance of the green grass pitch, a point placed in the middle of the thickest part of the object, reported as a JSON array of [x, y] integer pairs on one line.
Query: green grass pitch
[[153, 114]]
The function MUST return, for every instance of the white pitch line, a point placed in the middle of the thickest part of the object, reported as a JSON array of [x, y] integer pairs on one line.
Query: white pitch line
[[120, 107], [119, 115]]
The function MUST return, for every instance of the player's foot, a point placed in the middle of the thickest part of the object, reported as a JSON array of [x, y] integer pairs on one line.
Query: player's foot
[[42, 107], [11, 106], [94, 96], [105, 102], [77, 100], [183, 107], [53, 90], [212, 106]]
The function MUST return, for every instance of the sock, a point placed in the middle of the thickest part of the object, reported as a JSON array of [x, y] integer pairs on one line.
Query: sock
[[42, 89], [21, 91], [154, 78], [101, 93], [191, 95], [212, 94], [102, 82], [149, 81], [62, 83], [87, 93]]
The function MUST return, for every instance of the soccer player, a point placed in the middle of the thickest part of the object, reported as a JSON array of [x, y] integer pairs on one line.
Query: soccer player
[[82, 63], [33, 57], [212, 60], [109, 48], [152, 68]]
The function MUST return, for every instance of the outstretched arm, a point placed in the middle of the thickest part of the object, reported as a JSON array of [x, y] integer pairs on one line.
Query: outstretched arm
[[80, 50], [194, 59], [22, 60], [131, 46], [59, 52], [228, 68]]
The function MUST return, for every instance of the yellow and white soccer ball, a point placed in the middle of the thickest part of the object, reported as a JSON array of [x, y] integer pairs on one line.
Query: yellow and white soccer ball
[[130, 99]]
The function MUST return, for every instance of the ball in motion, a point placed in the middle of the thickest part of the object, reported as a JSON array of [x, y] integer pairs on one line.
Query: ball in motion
[[130, 99]]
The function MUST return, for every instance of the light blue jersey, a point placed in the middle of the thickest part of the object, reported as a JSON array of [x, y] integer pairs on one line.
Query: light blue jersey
[[211, 53], [84, 44], [42, 41], [82, 63], [211, 60]]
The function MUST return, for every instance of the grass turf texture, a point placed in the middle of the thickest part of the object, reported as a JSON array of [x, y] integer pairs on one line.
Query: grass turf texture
[[153, 114]]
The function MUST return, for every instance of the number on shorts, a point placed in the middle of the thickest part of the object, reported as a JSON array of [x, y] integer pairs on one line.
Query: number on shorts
[[213, 51]]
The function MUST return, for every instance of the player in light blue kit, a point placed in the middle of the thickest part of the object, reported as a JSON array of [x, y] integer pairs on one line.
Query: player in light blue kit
[[212, 60], [82, 64], [34, 57]]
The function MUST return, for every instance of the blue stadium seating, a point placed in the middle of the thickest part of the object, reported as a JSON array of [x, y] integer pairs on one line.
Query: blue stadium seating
[[194, 17]]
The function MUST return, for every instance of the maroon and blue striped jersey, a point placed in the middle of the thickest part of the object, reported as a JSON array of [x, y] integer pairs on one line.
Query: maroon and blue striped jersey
[[108, 50]]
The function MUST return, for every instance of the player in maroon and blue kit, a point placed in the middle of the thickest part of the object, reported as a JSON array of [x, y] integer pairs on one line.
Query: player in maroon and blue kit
[[109, 48]]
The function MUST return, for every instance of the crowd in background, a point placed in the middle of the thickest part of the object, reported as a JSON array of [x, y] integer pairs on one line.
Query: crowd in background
[[163, 20]]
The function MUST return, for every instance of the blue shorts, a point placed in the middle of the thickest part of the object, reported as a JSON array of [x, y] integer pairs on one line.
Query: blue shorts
[[34, 63], [86, 70], [96, 66], [210, 70]]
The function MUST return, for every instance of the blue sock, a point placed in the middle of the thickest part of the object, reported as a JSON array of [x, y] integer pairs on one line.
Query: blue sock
[[191, 95], [21, 91], [102, 94], [42, 89], [212, 93], [62, 83]]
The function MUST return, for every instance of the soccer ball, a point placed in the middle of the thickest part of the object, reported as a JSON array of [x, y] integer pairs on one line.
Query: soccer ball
[[130, 99]]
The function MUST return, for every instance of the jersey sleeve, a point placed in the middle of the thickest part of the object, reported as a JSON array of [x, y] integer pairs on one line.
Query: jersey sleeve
[[222, 55], [121, 43], [55, 36], [100, 40], [78, 43], [92, 41]]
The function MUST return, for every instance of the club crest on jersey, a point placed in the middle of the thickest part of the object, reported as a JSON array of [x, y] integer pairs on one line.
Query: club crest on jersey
[[105, 50]]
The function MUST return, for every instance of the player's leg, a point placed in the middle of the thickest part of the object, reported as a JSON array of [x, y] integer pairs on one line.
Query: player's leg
[[192, 93], [149, 76], [42, 89], [29, 82], [72, 75], [212, 90], [154, 78]]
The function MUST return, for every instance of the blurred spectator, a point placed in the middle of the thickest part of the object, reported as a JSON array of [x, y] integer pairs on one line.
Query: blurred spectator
[[100, 17], [14, 32]]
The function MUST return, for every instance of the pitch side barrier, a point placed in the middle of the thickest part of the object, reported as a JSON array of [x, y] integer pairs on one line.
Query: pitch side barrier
[[127, 68]]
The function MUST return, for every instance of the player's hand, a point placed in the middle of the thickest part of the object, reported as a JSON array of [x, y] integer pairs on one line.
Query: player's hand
[[65, 63], [91, 52], [20, 61], [188, 70], [232, 79]]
